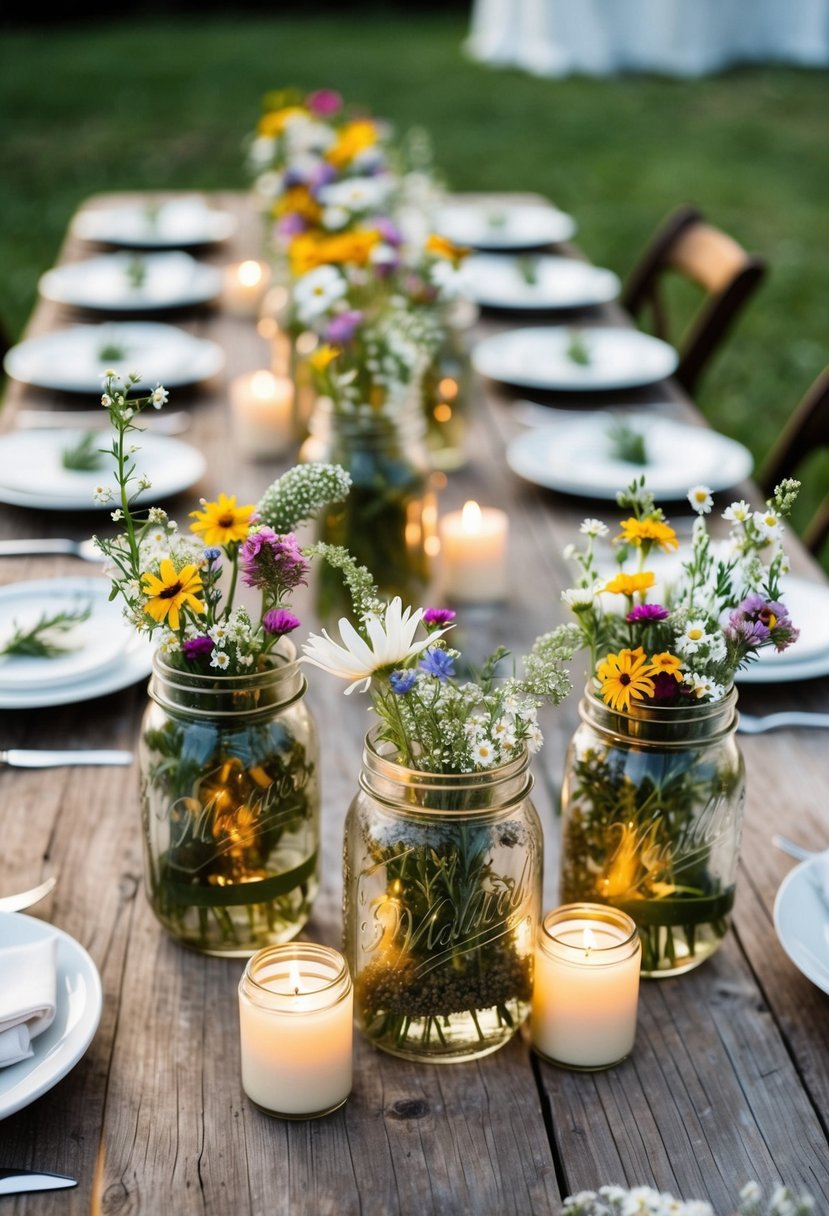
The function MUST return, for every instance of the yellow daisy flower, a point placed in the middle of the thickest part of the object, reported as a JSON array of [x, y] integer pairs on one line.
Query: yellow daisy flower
[[635, 531], [631, 584], [624, 678], [353, 138], [170, 591], [273, 123], [222, 522], [442, 247], [323, 356], [666, 663]]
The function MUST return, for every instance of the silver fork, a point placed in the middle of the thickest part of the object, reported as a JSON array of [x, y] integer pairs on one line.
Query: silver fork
[[85, 549], [750, 725]]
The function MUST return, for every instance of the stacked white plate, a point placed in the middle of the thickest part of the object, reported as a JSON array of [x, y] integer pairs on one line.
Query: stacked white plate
[[484, 224], [124, 282], [74, 359], [101, 654]]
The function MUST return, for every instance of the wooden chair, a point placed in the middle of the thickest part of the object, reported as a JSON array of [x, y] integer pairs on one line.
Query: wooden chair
[[714, 261], [806, 431]]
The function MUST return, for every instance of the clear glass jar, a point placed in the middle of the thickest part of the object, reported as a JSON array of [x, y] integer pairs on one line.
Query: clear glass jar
[[652, 807], [389, 514], [442, 890], [230, 805], [446, 389]]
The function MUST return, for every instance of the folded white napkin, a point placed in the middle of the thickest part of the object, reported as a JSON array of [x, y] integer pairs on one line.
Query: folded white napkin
[[28, 996]]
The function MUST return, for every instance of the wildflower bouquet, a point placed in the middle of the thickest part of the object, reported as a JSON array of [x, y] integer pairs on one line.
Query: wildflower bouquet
[[654, 784], [443, 847], [228, 753]]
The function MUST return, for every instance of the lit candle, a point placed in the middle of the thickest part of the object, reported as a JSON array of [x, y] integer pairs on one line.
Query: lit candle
[[262, 406], [586, 986], [296, 1026], [245, 284], [473, 551]]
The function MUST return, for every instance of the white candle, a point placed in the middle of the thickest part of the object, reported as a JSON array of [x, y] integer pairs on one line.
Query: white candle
[[262, 406], [296, 1027], [586, 986], [473, 546], [245, 284]]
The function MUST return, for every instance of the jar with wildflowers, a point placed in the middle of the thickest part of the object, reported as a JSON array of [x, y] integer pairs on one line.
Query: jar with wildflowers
[[443, 846], [228, 750], [653, 790]]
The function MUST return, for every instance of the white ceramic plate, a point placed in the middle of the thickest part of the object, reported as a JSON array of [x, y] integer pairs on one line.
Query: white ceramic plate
[[170, 280], [484, 225], [74, 360], [577, 457], [538, 358], [172, 225], [32, 473], [79, 1005], [537, 281], [92, 645], [133, 661], [808, 604], [801, 920]]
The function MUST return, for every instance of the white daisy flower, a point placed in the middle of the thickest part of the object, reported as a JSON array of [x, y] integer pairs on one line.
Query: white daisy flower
[[159, 396], [106, 401], [581, 597], [483, 753], [316, 291], [219, 634], [700, 499], [356, 194], [534, 740], [768, 524], [220, 659], [692, 637], [334, 218], [738, 512], [593, 527], [390, 643]]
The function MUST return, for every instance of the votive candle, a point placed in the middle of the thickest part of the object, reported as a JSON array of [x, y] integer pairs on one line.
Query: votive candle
[[245, 284], [262, 406], [473, 546], [296, 1027], [586, 987]]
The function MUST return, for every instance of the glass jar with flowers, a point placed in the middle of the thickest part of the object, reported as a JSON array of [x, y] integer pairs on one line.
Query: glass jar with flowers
[[228, 750], [443, 846], [653, 790]]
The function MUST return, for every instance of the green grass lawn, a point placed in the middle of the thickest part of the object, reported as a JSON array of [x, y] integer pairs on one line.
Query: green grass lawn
[[161, 103]]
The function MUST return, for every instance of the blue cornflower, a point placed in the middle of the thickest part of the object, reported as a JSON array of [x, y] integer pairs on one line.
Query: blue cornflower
[[402, 682], [212, 554], [438, 663]]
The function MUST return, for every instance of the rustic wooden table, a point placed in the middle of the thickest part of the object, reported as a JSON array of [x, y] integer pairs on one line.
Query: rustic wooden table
[[729, 1079]]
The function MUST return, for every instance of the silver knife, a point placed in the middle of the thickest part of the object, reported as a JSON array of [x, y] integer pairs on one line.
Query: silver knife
[[21, 757], [15, 1182]]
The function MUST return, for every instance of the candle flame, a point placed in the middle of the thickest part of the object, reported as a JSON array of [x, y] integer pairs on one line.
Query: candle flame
[[589, 941], [250, 273], [262, 385], [471, 517], [294, 978]]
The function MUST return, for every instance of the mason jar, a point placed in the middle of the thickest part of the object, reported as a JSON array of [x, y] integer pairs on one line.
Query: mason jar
[[390, 514], [230, 800], [652, 808], [442, 891]]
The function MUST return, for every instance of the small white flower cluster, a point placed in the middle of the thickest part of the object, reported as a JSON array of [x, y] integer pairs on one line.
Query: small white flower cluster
[[645, 1201]]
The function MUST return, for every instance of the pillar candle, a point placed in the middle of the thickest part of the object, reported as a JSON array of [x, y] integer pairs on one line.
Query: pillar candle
[[586, 986], [245, 284], [296, 1027], [473, 546], [262, 406]]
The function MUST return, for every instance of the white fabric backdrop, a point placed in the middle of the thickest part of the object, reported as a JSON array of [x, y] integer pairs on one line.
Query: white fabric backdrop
[[675, 37]]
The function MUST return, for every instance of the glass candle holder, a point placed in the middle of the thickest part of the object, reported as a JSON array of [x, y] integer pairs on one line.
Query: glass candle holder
[[296, 1028], [586, 988]]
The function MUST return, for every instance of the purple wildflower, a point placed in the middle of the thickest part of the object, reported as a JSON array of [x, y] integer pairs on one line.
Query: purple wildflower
[[342, 328], [438, 663], [388, 230], [197, 648], [291, 224], [644, 613], [272, 563], [324, 102], [321, 175], [438, 618], [756, 620], [402, 682], [279, 621], [295, 176], [665, 687]]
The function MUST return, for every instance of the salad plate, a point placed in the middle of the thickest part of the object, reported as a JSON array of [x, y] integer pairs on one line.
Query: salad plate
[[173, 225], [132, 282], [536, 281], [494, 225]]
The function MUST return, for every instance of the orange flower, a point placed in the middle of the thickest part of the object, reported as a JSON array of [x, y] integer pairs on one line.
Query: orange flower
[[322, 357], [354, 137], [630, 584], [444, 248], [300, 201], [624, 678], [667, 664]]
